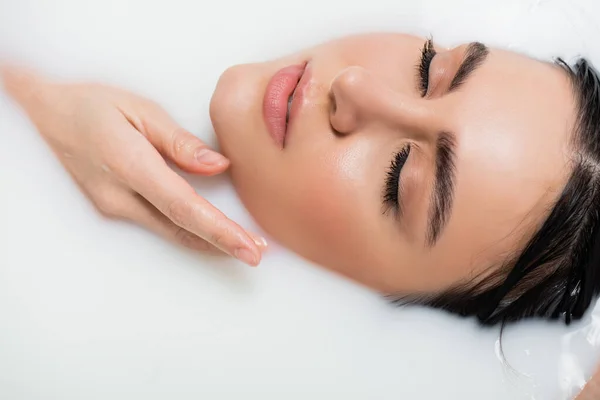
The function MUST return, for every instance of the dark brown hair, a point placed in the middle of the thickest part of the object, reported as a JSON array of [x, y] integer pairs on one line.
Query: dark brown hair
[[557, 274]]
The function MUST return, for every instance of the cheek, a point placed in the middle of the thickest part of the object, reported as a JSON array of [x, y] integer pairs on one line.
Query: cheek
[[319, 204], [327, 195]]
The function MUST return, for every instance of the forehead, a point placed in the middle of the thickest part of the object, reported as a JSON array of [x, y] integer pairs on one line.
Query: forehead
[[514, 120]]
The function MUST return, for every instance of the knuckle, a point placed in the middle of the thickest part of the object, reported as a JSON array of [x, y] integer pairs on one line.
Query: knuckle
[[218, 238], [181, 141], [183, 237], [107, 202], [220, 231], [180, 212], [191, 241]]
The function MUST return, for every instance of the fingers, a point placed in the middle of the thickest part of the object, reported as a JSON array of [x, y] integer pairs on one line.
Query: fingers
[[176, 199], [123, 203], [148, 216], [180, 146]]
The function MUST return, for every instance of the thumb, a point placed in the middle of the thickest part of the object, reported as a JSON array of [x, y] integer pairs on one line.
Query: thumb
[[180, 146]]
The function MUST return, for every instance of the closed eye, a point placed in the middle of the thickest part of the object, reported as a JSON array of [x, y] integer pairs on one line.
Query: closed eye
[[427, 54], [391, 195]]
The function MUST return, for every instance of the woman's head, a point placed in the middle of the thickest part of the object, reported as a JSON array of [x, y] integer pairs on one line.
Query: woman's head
[[419, 171]]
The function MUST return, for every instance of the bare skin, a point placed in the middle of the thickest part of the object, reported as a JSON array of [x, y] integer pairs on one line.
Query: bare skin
[[113, 143], [320, 196], [510, 122], [591, 391]]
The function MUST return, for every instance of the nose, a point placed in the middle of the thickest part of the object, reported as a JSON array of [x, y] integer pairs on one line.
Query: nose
[[360, 99]]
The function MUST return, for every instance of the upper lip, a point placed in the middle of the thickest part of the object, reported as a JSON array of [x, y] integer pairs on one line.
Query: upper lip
[[297, 96], [287, 82]]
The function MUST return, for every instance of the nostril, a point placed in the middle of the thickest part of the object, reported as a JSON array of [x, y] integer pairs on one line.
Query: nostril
[[336, 132], [333, 102], [333, 110]]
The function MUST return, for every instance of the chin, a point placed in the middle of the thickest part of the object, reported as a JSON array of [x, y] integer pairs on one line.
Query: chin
[[218, 113]]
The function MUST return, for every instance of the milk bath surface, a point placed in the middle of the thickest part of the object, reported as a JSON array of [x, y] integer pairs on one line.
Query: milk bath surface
[[100, 309]]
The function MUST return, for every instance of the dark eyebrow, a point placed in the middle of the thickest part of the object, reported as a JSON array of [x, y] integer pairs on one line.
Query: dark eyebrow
[[443, 187], [445, 173], [475, 55]]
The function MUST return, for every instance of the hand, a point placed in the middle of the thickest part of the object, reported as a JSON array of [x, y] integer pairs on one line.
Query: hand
[[113, 143]]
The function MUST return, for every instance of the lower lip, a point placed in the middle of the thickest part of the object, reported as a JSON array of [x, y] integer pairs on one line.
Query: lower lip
[[275, 102]]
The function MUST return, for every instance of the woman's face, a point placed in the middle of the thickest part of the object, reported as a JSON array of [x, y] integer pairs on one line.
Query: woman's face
[[407, 167]]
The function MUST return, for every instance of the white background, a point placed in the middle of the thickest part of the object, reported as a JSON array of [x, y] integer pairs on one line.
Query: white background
[[95, 309]]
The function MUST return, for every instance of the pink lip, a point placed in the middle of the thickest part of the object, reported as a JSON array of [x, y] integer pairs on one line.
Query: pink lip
[[279, 89], [299, 94]]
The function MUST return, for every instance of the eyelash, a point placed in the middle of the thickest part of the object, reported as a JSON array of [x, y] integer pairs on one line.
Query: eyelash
[[393, 176], [427, 54], [392, 181]]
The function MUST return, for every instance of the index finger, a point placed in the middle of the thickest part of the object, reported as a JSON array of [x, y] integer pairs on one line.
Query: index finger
[[152, 178]]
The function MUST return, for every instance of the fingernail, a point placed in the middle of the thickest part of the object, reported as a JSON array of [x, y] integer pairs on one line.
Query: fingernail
[[246, 256], [260, 241], [209, 157]]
